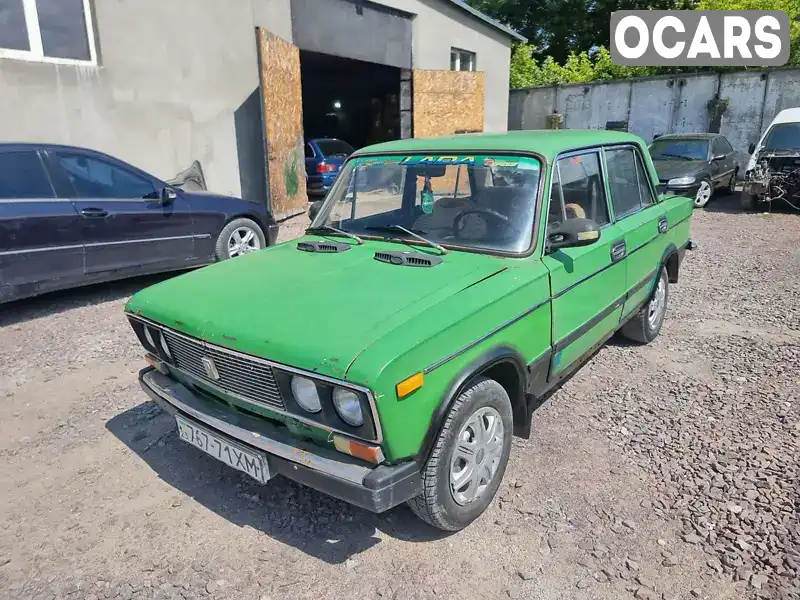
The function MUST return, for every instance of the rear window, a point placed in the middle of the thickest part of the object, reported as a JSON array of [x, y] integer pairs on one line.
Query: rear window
[[23, 176], [334, 148]]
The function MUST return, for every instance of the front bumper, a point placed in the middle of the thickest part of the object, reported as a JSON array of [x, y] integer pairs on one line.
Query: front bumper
[[376, 488], [689, 191]]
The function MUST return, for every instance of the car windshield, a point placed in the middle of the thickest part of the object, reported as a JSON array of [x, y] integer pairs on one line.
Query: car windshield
[[785, 136], [334, 148], [482, 202], [679, 149]]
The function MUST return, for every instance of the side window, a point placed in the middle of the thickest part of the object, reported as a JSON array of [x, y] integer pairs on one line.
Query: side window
[[95, 178], [716, 147], [645, 192], [23, 176], [627, 180], [309, 151], [725, 146], [580, 188]]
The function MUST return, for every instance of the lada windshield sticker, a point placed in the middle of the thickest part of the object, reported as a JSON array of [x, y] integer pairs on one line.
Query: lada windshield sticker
[[449, 159], [439, 160]]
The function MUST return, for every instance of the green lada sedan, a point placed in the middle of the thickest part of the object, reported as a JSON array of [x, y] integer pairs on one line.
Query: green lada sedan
[[443, 287]]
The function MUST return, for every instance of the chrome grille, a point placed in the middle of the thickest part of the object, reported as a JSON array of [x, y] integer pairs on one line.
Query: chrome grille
[[239, 375]]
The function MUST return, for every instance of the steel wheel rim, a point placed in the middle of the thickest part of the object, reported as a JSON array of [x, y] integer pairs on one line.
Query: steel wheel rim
[[477, 455], [242, 240], [655, 311], [703, 194]]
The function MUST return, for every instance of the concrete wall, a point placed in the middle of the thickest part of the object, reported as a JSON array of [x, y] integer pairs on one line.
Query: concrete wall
[[665, 104], [439, 26], [368, 32], [168, 90]]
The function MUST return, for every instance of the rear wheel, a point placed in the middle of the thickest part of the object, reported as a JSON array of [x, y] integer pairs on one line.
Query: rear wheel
[[240, 236], [645, 325], [469, 458], [731, 187]]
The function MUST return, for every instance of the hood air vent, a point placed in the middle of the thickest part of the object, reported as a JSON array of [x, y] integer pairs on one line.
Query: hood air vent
[[409, 259], [322, 247]]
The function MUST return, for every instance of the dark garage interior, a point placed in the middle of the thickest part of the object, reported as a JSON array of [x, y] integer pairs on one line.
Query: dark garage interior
[[352, 100]]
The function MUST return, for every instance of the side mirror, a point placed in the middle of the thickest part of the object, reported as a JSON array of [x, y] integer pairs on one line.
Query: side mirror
[[751, 148], [167, 195], [661, 188], [719, 157], [573, 233], [313, 210]]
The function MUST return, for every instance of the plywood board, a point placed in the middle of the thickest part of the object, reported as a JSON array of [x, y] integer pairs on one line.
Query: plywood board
[[283, 124], [447, 102]]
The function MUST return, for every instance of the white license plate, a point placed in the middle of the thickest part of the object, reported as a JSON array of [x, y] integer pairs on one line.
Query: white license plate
[[233, 455]]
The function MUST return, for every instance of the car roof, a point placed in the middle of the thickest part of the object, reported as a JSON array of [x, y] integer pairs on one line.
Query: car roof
[[46, 146], [787, 115], [547, 142], [688, 136]]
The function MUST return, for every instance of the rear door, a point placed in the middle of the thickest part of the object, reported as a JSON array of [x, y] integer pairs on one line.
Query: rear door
[[125, 226], [41, 245], [728, 163], [587, 284], [640, 219]]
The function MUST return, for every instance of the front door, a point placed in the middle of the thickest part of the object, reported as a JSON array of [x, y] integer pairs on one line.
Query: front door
[[41, 246], [641, 220], [587, 284], [125, 225]]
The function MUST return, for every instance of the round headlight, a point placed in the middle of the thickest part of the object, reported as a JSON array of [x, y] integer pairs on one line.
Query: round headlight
[[348, 406], [305, 393], [149, 337]]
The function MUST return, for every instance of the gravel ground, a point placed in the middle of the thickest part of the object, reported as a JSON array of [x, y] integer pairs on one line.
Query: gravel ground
[[666, 471]]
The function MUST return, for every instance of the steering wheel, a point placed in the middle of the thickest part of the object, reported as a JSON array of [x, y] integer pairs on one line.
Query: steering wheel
[[475, 224]]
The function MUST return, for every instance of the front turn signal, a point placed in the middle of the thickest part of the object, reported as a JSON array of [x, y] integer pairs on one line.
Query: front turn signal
[[409, 385], [366, 452]]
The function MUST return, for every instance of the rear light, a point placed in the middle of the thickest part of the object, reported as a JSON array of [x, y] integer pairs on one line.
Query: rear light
[[324, 167]]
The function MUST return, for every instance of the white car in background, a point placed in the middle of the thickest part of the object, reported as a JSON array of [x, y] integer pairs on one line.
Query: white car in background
[[773, 171]]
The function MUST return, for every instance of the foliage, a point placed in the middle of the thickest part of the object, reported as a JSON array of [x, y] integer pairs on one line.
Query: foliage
[[566, 49], [578, 68]]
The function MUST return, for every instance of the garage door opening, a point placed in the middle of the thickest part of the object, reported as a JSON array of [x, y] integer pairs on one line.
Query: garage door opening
[[352, 100]]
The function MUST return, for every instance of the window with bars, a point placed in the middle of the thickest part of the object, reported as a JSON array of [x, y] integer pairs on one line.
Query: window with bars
[[462, 60], [59, 31]]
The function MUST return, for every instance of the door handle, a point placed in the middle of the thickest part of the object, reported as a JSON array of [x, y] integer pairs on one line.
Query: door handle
[[94, 213], [663, 225], [618, 251]]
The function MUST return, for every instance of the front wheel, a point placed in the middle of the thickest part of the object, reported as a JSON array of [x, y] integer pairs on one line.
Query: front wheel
[[645, 325], [469, 458], [240, 236], [703, 194]]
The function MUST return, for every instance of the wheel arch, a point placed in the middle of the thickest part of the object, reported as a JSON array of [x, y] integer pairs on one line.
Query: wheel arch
[[672, 261], [503, 364]]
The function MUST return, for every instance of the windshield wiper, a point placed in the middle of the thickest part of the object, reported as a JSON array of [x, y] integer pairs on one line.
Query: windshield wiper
[[329, 229], [683, 156], [441, 249]]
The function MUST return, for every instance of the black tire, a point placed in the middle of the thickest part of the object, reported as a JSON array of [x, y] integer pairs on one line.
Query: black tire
[[701, 204], [639, 327], [731, 187], [436, 504], [221, 248]]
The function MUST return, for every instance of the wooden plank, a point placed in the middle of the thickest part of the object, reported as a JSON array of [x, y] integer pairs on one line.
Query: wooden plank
[[447, 102], [281, 92]]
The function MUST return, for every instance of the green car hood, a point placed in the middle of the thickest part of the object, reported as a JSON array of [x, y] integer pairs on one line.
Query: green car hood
[[309, 310]]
